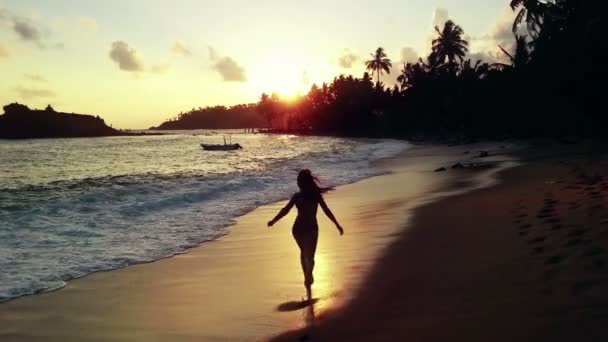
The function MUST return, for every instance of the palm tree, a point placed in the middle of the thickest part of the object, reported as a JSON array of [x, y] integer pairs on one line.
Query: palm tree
[[402, 78], [379, 63], [533, 11], [470, 71], [450, 45], [415, 74], [521, 56]]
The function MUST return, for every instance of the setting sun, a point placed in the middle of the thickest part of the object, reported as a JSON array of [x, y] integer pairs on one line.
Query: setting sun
[[281, 71]]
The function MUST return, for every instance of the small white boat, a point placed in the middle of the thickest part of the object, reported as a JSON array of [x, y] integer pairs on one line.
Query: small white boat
[[225, 147]]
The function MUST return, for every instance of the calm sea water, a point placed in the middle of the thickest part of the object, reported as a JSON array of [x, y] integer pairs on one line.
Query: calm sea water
[[70, 207]]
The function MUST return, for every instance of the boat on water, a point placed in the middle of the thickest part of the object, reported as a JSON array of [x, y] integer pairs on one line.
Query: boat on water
[[219, 147]]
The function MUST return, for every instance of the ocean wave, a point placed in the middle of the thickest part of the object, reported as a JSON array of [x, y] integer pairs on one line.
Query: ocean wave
[[64, 229]]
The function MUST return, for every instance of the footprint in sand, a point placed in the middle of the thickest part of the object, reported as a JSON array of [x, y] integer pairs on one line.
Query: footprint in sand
[[525, 226], [578, 232], [593, 252], [537, 240], [538, 250], [555, 259], [547, 291], [551, 274], [573, 242], [552, 220], [546, 213], [582, 286]]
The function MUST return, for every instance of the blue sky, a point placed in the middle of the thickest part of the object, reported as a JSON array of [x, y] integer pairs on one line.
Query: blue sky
[[137, 62]]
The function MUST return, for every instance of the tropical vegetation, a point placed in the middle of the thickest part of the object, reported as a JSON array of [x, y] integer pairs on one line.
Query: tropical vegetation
[[552, 84]]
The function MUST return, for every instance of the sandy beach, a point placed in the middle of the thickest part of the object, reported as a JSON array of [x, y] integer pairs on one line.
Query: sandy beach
[[521, 261], [245, 286], [423, 258]]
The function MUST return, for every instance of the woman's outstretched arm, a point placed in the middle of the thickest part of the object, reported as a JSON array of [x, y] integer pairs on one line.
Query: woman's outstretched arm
[[282, 213], [329, 214]]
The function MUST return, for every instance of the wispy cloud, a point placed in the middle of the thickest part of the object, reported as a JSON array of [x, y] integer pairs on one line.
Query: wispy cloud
[[35, 78], [485, 46], [440, 16], [28, 30], [212, 53], [28, 93], [181, 49], [88, 23], [409, 55], [347, 59], [4, 51], [159, 68]]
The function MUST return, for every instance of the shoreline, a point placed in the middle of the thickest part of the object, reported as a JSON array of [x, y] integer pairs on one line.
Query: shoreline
[[84, 298], [524, 260], [229, 221]]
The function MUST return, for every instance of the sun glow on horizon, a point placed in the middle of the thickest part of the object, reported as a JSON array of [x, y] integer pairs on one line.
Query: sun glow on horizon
[[287, 72]]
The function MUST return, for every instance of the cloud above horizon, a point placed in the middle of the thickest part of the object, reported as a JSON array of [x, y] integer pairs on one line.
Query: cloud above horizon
[[230, 70], [35, 78], [485, 47], [28, 93], [88, 23], [409, 55], [4, 51], [27, 30], [227, 67], [126, 57], [181, 49], [440, 16], [347, 59], [212, 53], [159, 68]]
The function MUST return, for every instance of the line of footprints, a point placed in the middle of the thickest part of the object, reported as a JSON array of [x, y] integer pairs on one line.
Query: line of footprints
[[558, 243]]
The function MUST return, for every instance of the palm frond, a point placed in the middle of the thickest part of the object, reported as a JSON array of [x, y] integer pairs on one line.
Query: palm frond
[[518, 20], [506, 53], [516, 3]]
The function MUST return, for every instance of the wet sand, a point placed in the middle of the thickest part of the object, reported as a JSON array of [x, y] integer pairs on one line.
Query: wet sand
[[247, 285], [522, 261]]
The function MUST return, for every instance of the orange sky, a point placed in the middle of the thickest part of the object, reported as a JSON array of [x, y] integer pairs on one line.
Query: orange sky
[[137, 63]]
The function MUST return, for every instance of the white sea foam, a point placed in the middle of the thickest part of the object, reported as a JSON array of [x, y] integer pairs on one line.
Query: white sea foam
[[81, 206]]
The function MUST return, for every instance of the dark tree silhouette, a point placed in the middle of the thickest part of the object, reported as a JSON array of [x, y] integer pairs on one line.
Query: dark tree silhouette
[[530, 10], [449, 45], [379, 63], [548, 87]]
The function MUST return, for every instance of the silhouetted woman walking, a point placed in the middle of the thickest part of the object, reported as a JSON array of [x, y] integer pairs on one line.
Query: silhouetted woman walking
[[305, 228]]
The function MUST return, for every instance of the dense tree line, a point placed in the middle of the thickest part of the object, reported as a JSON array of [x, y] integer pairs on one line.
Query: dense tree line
[[216, 117], [551, 86]]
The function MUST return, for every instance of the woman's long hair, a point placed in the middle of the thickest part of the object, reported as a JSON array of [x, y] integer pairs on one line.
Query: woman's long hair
[[309, 184]]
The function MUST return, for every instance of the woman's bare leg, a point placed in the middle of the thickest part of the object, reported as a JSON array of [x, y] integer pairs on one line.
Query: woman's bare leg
[[308, 247]]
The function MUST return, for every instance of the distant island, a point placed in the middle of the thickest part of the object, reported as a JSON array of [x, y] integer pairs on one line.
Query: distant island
[[21, 122], [216, 117]]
